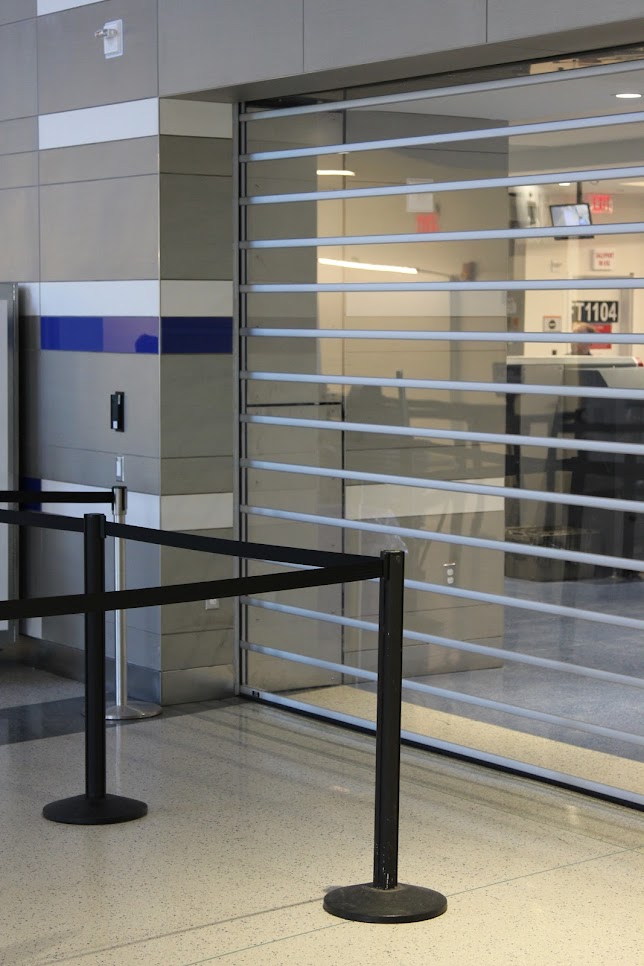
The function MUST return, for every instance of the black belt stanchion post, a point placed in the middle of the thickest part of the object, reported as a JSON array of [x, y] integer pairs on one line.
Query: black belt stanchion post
[[95, 807], [385, 899]]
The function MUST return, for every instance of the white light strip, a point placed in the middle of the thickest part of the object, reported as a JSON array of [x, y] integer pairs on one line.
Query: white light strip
[[624, 228], [510, 181], [368, 266], [504, 439], [413, 335], [452, 486], [474, 755], [417, 636], [529, 80], [498, 285], [336, 172], [513, 389], [453, 137], [459, 696], [527, 550]]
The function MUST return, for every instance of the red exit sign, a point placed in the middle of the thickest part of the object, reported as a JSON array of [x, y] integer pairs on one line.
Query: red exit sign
[[601, 204]]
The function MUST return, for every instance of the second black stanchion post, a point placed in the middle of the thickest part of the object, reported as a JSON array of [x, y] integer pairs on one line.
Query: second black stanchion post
[[385, 899], [95, 807]]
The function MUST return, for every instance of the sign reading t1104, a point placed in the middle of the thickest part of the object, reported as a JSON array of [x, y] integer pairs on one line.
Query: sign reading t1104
[[595, 310]]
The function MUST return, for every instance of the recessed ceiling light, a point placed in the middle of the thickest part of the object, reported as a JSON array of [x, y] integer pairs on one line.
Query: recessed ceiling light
[[627, 96], [565, 184]]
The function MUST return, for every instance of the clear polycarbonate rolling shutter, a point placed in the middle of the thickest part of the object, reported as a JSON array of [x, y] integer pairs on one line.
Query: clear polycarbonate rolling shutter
[[457, 441]]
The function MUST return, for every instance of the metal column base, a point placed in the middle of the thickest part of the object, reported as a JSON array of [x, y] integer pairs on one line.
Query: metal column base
[[132, 711], [403, 903], [82, 810]]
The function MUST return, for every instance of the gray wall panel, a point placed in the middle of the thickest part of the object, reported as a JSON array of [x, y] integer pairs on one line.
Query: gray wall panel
[[345, 32], [521, 19], [187, 155], [196, 227], [72, 391], [100, 230], [199, 474], [72, 70], [90, 466], [12, 10], [212, 43], [93, 162], [19, 220], [18, 90], [196, 405], [197, 684], [19, 135], [18, 170], [197, 649]]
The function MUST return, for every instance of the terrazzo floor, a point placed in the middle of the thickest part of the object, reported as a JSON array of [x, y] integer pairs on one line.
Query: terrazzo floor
[[254, 813]]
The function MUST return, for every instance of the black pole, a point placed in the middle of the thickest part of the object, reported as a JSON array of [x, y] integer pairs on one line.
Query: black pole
[[390, 628], [95, 761], [95, 807], [385, 900]]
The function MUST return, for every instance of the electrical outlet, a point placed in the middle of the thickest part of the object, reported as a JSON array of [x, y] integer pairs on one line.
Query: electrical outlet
[[212, 603], [449, 570]]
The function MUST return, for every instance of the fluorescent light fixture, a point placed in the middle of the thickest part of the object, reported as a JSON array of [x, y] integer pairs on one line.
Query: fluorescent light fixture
[[565, 184], [368, 267], [341, 172], [628, 96]]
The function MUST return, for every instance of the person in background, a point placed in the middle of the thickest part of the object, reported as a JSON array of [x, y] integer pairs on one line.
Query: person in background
[[581, 348]]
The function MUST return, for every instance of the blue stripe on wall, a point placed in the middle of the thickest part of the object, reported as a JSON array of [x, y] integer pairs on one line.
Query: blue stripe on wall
[[182, 335], [96, 333], [137, 334]]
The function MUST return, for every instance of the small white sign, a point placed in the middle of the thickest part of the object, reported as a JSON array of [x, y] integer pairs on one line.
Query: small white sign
[[552, 323], [421, 202], [603, 259]]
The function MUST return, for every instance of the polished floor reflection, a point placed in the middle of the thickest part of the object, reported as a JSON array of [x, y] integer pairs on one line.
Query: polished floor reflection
[[255, 813]]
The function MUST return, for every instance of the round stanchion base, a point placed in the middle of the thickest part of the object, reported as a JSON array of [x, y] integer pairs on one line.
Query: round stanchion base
[[81, 810], [132, 711], [366, 903]]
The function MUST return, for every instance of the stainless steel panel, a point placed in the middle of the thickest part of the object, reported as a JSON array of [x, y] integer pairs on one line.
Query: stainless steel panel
[[93, 162], [348, 32], [257, 40], [18, 170], [197, 649], [110, 230], [196, 227], [510, 20], [186, 155], [196, 684], [19, 135], [87, 466], [186, 566], [196, 405], [74, 398], [198, 474], [72, 71], [18, 91], [19, 220], [13, 10]]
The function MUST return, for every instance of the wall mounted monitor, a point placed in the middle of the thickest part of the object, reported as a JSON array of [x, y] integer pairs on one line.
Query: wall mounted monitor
[[571, 216]]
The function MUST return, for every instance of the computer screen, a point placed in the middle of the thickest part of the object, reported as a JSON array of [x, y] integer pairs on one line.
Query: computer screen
[[569, 216]]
